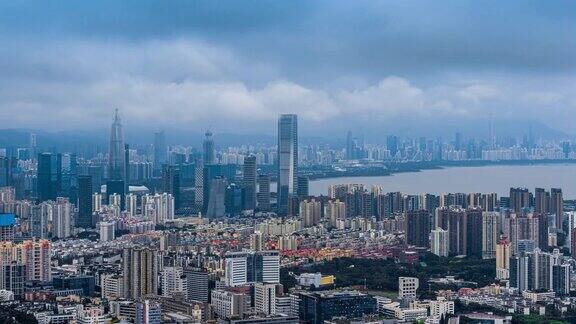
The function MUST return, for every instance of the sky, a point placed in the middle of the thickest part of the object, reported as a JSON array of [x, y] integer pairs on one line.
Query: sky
[[234, 66]]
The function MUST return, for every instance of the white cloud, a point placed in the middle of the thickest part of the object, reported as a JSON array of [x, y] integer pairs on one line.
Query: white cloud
[[72, 85]]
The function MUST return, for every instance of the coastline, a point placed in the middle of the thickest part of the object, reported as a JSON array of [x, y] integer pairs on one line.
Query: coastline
[[410, 167]]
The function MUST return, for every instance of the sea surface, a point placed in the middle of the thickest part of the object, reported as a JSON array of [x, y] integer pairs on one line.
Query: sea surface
[[484, 179]]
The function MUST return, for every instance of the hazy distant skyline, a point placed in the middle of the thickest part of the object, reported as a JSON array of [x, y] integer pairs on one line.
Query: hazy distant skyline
[[236, 65]]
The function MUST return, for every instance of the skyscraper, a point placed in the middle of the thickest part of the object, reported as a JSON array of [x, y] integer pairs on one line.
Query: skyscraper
[[541, 201], [264, 192], [84, 202], [474, 225], [249, 183], [116, 157], [209, 155], [392, 145], [556, 206], [519, 199], [418, 228], [160, 150], [350, 149], [49, 177], [171, 181], [491, 226], [126, 168], [303, 187], [216, 201], [116, 187], [287, 160]]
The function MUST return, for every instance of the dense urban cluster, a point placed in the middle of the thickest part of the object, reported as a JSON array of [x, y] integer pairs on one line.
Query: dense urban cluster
[[177, 235]]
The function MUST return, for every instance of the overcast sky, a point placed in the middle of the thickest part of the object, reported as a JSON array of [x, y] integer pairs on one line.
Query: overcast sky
[[236, 65]]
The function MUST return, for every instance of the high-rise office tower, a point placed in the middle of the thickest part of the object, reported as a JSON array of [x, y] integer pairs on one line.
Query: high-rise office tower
[[209, 154], [199, 185], [116, 154], [303, 187], [33, 143], [126, 168], [556, 206], [49, 178], [264, 192], [84, 202], [216, 201], [418, 228], [69, 186], [249, 183], [287, 160], [116, 187], [392, 145], [215, 171], [244, 267], [197, 284], [171, 181], [543, 230], [233, 200], [350, 149], [160, 150], [458, 141], [236, 267], [140, 272]]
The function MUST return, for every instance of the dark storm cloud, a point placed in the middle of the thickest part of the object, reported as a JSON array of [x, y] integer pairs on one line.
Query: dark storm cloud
[[221, 62]]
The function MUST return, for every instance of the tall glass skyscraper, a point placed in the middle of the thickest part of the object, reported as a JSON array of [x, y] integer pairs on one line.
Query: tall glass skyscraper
[[160, 150], [116, 158], [287, 160], [209, 155]]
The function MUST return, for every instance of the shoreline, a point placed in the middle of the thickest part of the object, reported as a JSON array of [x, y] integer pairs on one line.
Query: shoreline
[[413, 167]]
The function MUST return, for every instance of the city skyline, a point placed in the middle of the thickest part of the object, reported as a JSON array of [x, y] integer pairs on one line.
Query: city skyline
[[288, 162]]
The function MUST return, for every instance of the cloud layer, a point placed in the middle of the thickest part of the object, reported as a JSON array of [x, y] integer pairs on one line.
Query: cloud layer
[[337, 65]]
